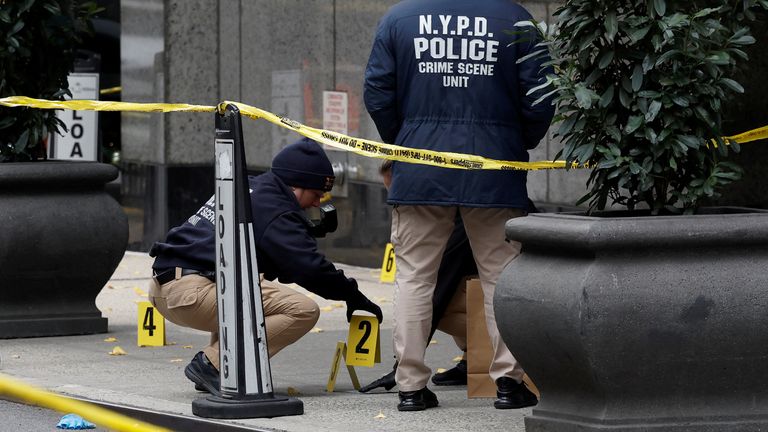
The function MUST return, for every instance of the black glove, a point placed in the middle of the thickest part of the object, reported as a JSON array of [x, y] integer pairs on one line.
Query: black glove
[[387, 381], [358, 301]]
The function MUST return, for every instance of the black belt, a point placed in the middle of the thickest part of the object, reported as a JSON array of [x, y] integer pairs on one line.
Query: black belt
[[166, 276]]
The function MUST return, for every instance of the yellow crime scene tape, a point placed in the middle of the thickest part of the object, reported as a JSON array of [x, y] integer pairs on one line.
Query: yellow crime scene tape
[[344, 142], [100, 416], [359, 146]]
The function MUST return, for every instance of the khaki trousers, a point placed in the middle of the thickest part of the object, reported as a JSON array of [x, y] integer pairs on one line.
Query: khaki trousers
[[190, 301], [454, 320], [419, 235]]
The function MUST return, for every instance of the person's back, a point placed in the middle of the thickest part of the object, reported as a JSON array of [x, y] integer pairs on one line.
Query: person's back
[[457, 87]]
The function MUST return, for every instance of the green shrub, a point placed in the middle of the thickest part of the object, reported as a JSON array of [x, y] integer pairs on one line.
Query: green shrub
[[640, 87], [38, 40]]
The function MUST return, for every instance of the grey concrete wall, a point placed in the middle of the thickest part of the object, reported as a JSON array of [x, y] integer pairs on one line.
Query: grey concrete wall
[[275, 54]]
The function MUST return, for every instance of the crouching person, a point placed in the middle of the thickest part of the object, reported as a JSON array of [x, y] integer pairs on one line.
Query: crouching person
[[183, 288]]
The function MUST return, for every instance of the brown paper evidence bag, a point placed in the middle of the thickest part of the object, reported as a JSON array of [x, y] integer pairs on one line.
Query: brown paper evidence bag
[[479, 349]]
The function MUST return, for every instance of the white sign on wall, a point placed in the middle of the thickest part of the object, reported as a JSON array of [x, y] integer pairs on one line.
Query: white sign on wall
[[80, 142], [336, 111]]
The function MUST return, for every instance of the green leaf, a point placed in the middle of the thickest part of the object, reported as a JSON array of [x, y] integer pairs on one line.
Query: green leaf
[[585, 96], [16, 28], [648, 62], [637, 35], [705, 12], [633, 123], [605, 59], [625, 98], [744, 40], [653, 111], [534, 54], [660, 6], [607, 97], [637, 78], [611, 25], [733, 85], [689, 141], [680, 100], [22, 141], [719, 58]]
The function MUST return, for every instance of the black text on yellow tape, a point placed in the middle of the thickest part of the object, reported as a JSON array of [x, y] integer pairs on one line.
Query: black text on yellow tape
[[359, 146]]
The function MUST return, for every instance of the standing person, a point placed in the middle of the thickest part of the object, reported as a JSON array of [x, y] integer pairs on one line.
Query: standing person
[[443, 75], [449, 301], [183, 288]]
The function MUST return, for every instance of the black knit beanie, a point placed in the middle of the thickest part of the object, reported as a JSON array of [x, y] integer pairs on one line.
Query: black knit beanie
[[304, 164]]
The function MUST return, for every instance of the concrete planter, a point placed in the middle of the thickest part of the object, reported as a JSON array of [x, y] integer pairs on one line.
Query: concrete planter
[[61, 238], [640, 323]]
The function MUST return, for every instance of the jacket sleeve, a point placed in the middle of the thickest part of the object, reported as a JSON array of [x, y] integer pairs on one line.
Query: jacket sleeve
[[380, 87], [296, 258], [535, 118]]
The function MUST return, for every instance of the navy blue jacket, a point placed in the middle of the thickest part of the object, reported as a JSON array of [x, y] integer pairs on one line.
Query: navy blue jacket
[[443, 76], [284, 248]]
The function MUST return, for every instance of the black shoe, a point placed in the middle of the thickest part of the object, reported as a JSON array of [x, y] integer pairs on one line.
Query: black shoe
[[201, 372], [513, 395], [418, 400], [457, 375]]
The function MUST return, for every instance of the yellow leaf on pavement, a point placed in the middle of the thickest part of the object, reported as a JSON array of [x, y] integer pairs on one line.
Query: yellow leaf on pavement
[[337, 305], [326, 308], [316, 330], [187, 347], [117, 351], [440, 370], [433, 342], [139, 291], [110, 339], [458, 359], [293, 391], [380, 415], [176, 360]]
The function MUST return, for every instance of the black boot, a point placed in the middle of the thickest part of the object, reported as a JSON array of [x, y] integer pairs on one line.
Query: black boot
[[418, 400], [457, 375], [201, 372], [512, 394]]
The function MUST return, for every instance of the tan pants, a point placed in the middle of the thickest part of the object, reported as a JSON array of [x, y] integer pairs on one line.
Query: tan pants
[[454, 320], [191, 302], [419, 235]]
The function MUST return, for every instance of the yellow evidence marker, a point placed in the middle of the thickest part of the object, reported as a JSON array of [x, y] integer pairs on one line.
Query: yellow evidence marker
[[151, 325], [388, 266], [363, 342], [341, 351]]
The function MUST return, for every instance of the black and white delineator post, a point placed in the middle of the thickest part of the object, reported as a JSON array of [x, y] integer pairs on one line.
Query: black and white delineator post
[[246, 378]]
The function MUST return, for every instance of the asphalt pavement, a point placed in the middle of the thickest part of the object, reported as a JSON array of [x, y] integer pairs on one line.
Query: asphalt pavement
[[152, 378]]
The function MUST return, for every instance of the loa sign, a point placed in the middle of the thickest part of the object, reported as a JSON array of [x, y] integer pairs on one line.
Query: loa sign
[[81, 140]]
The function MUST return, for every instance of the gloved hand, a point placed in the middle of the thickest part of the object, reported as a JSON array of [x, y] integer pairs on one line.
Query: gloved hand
[[358, 301]]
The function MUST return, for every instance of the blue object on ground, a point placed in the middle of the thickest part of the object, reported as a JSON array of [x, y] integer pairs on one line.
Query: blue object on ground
[[74, 421]]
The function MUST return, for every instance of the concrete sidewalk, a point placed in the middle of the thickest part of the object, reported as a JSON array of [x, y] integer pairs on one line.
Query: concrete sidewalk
[[153, 378]]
